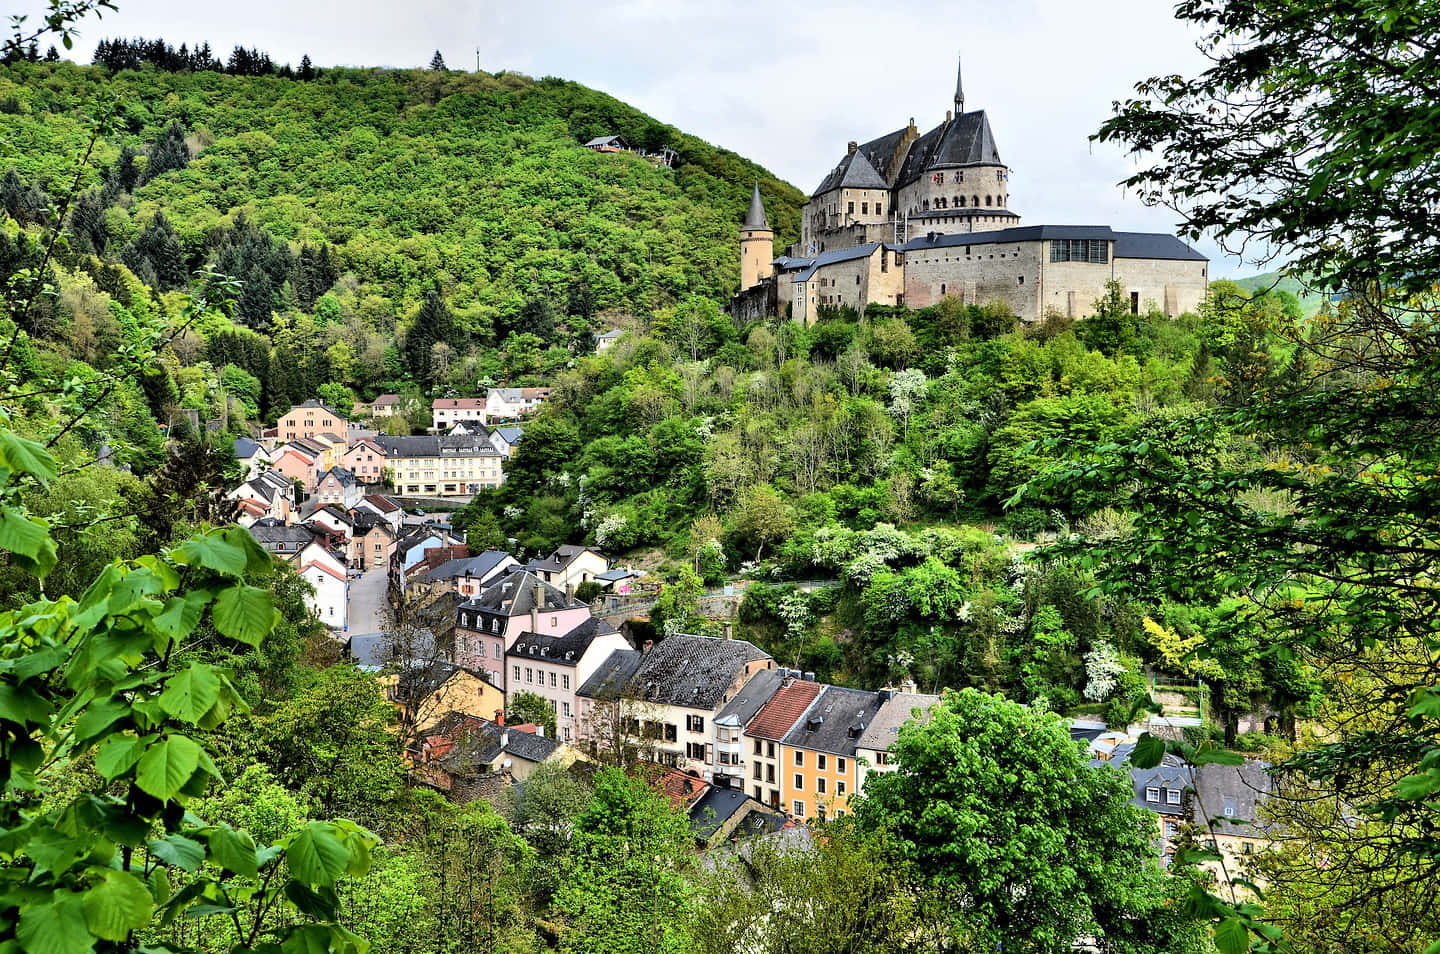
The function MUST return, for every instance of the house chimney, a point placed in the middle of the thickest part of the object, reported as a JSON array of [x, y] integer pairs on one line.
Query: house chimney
[[729, 629], [649, 645], [809, 677], [540, 731], [850, 147], [909, 686], [504, 739], [948, 116], [535, 607]]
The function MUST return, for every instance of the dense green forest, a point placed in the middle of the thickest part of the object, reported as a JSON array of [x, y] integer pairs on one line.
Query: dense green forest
[[1237, 506]]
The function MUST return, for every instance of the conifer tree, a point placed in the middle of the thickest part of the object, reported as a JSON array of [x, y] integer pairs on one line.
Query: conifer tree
[[306, 70], [437, 62], [169, 152]]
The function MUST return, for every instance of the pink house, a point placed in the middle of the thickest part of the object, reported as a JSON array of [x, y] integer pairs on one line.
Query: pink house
[[298, 463], [518, 602]]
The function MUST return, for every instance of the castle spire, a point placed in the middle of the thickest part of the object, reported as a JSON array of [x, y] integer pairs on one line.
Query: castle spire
[[959, 88], [755, 218]]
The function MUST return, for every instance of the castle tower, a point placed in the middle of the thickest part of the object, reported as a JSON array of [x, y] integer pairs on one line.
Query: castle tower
[[959, 87], [757, 243]]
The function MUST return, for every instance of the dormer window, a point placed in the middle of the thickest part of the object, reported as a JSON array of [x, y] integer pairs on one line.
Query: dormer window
[[1152, 795]]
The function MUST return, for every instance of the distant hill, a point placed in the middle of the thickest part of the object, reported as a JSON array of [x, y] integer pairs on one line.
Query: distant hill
[[1274, 280], [477, 180]]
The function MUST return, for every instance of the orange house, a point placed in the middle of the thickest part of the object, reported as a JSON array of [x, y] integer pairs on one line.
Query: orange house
[[817, 756]]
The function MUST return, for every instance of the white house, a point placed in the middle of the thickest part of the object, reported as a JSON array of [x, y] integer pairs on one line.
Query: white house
[[325, 571]]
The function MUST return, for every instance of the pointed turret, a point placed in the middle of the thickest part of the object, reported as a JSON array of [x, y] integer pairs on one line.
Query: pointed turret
[[755, 218], [959, 87]]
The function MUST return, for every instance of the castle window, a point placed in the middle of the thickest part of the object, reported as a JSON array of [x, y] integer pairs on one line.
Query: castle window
[[925, 205], [940, 202], [879, 209], [864, 208], [850, 208], [1093, 251], [975, 201], [1020, 280], [987, 200], [942, 288]]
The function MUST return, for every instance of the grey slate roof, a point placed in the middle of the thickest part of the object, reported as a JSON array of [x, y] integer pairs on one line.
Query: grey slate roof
[[693, 671], [715, 808], [564, 649], [753, 695], [964, 141], [1230, 796], [837, 255], [614, 677], [514, 595], [313, 403], [855, 171], [563, 556], [245, 448], [268, 536], [899, 709], [346, 477], [444, 445], [836, 720], [465, 566], [1152, 245], [755, 215]]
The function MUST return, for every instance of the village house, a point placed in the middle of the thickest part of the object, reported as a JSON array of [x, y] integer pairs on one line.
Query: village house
[[873, 753], [762, 738], [445, 413], [729, 767], [467, 575], [282, 540], [385, 405], [425, 694], [309, 419], [569, 566], [555, 666], [447, 465], [366, 460], [251, 455], [299, 463], [387, 509], [469, 758], [505, 439], [818, 753], [267, 495], [337, 486], [372, 541], [338, 522], [324, 569], [680, 685], [515, 603], [512, 404], [604, 342]]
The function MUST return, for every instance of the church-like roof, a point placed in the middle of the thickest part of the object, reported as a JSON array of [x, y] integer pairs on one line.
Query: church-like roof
[[965, 140], [755, 216]]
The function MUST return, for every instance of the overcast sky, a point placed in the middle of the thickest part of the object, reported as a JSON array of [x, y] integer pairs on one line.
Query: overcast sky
[[785, 85]]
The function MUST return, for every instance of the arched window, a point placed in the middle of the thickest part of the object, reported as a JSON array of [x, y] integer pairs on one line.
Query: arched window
[[925, 205], [975, 201], [987, 200], [940, 202]]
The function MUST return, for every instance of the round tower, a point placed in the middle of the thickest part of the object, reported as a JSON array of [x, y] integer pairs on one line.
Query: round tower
[[757, 243]]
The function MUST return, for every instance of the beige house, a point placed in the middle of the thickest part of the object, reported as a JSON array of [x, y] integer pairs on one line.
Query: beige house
[[873, 751], [309, 419], [510, 404], [569, 566], [856, 276], [371, 543], [555, 666], [448, 465], [445, 413]]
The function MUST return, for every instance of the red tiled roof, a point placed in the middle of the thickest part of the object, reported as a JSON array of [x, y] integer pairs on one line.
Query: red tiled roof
[[470, 403], [682, 789], [783, 710]]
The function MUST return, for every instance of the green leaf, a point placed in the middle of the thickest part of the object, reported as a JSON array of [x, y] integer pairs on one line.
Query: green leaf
[[118, 754], [26, 457], [189, 694], [167, 766], [212, 552], [182, 614], [117, 905], [23, 705], [1416, 787], [233, 850], [1425, 702], [318, 904], [28, 539], [55, 928], [206, 910], [316, 856], [99, 717], [179, 851], [244, 613], [1232, 937], [1148, 751]]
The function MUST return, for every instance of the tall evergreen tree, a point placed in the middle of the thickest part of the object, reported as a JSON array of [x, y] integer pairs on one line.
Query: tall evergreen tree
[[433, 325], [158, 248], [437, 62], [306, 70], [169, 152]]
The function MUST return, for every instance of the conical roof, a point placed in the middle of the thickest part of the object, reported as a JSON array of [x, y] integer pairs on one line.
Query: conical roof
[[755, 217]]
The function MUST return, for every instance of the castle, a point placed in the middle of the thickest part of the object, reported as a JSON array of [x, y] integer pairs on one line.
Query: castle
[[910, 218]]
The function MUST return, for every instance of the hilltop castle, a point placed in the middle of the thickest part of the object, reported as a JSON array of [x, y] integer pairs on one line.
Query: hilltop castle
[[910, 218]]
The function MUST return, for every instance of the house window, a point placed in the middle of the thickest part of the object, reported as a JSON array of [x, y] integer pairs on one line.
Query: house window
[[670, 733], [770, 774], [695, 750], [820, 786], [517, 673], [799, 759], [1172, 796], [552, 680], [565, 709], [695, 723], [1152, 795], [840, 788], [820, 762], [565, 682], [769, 750], [799, 782], [797, 808], [1229, 808], [882, 758], [757, 746], [529, 674], [840, 766], [850, 208], [1092, 251], [554, 621], [864, 208], [755, 774]]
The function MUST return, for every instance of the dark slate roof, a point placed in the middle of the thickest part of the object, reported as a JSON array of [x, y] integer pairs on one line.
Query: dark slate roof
[[607, 141], [964, 141], [369, 649], [514, 594], [273, 534], [1229, 797], [565, 649], [693, 671], [314, 403], [786, 262], [346, 477], [466, 566], [898, 709], [245, 447], [614, 676], [753, 695], [443, 445], [855, 171], [477, 744], [836, 720], [755, 215], [881, 151], [563, 556], [715, 808], [335, 511], [420, 682], [1152, 245], [837, 255]]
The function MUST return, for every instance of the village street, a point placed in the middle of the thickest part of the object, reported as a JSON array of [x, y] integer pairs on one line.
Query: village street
[[367, 602]]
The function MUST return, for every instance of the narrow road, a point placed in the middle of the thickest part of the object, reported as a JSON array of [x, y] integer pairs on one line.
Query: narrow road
[[367, 602]]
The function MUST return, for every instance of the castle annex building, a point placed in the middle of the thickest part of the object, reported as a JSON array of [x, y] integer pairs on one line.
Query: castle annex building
[[910, 218]]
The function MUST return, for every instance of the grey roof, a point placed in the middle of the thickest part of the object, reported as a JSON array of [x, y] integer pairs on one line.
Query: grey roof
[[786, 262], [346, 477], [465, 566], [271, 534], [245, 447], [1151, 245], [716, 807], [615, 675], [477, 744], [881, 151], [755, 215], [563, 556], [314, 403], [369, 649], [511, 434], [443, 445], [965, 140], [564, 649], [753, 695], [693, 671], [334, 511], [899, 709], [966, 211], [419, 682], [1229, 796], [615, 576], [855, 171], [514, 595], [606, 141], [836, 720], [837, 255], [611, 334]]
